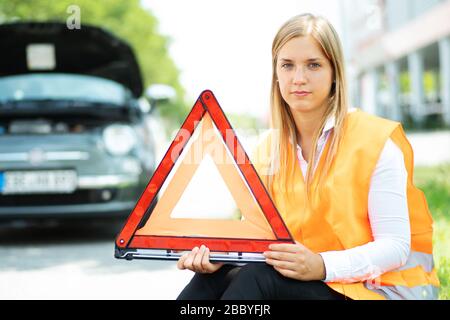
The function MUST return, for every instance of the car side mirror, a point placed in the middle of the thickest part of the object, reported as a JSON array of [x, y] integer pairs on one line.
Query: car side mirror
[[144, 106], [157, 93]]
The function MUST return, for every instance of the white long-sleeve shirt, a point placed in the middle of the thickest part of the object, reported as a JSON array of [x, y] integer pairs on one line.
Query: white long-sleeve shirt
[[388, 216]]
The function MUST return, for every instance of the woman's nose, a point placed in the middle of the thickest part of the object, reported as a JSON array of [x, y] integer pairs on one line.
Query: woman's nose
[[299, 76]]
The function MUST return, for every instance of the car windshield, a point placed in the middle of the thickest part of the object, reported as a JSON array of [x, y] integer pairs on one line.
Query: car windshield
[[55, 86]]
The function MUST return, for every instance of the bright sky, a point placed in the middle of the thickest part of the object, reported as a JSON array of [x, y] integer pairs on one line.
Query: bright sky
[[225, 46]]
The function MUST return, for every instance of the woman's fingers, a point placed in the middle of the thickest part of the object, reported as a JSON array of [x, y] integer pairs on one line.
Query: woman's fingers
[[208, 266], [197, 264], [205, 264], [277, 255], [180, 263], [197, 260], [287, 247], [188, 263], [281, 264]]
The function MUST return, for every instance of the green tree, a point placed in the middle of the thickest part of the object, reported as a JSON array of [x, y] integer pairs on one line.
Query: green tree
[[126, 19]]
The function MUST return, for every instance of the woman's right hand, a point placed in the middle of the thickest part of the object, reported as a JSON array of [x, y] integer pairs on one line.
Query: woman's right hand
[[198, 261]]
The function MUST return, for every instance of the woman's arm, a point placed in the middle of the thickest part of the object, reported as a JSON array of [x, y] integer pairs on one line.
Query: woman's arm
[[389, 220]]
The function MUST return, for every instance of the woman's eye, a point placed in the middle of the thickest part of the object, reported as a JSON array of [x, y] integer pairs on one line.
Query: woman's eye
[[286, 65], [314, 65]]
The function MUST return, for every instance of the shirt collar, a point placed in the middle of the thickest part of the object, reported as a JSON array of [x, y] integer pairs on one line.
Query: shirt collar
[[331, 121]]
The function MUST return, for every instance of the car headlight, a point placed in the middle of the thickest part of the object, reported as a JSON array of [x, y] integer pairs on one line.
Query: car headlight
[[119, 139]]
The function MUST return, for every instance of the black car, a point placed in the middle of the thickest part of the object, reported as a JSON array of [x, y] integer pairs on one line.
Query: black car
[[75, 134]]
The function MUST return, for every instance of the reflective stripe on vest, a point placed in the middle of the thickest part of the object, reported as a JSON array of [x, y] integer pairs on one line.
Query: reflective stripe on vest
[[417, 279]]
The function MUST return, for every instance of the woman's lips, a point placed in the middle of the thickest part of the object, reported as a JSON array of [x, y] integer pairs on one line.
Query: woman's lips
[[301, 93]]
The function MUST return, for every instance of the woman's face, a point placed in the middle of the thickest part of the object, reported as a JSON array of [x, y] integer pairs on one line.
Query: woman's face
[[304, 74]]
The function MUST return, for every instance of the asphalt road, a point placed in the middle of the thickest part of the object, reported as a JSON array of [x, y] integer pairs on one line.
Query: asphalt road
[[67, 261]]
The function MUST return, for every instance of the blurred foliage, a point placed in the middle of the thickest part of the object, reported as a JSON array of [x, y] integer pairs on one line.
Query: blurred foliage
[[441, 251], [128, 20], [430, 82], [435, 183], [245, 121], [405, 82]]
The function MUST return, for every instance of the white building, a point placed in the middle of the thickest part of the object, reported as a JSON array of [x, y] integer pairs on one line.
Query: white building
[[398, 54]]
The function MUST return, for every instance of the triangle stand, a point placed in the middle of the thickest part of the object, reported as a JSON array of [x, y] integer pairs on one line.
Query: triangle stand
[[149, 234]]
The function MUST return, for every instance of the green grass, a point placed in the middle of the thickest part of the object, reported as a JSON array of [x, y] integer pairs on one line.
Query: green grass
[[435, 183]]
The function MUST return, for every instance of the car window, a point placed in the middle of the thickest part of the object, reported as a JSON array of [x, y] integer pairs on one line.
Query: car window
[[61, 87]]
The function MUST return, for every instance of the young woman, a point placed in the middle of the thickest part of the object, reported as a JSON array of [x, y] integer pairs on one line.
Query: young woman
[[342, 181]]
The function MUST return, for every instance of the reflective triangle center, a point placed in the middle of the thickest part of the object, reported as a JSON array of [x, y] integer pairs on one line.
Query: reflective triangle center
[[206, 181]]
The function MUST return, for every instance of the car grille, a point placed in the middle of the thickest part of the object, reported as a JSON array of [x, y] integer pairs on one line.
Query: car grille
[[77, 197]]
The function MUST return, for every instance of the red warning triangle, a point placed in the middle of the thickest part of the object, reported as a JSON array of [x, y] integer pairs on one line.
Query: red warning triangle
[[155, 229]]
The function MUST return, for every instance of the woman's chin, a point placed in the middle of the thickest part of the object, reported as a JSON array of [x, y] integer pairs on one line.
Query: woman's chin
[[304, 107]]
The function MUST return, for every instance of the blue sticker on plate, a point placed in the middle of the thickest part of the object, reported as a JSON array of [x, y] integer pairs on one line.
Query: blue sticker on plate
[[2, 179]]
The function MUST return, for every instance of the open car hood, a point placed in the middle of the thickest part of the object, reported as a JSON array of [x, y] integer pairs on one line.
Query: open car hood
[[31, 47]]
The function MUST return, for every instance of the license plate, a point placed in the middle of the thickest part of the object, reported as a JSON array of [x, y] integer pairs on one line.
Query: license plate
[[42, 181]]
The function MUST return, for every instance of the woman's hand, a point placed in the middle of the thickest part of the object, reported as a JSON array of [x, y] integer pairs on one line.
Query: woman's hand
[[296, 261], [198, 261]]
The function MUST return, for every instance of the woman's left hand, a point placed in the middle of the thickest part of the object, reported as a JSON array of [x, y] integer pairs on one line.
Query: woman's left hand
[[296, 261]]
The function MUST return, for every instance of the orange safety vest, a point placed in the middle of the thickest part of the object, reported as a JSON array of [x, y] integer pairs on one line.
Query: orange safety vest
[[338, 217]]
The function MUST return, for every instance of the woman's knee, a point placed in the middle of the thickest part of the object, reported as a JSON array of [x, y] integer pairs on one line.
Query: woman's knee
[[263, 274], [254, 281], [208, 286], [257, 270]]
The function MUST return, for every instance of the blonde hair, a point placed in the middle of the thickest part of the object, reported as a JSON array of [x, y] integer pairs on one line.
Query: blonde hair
[[281, 118]]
